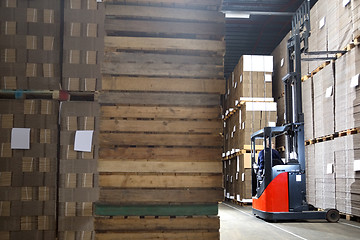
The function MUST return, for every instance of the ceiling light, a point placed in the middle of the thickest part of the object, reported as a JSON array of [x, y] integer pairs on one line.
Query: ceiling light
[[236, 15]]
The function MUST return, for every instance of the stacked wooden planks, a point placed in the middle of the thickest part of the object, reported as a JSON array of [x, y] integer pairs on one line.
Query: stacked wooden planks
[[160, 127]]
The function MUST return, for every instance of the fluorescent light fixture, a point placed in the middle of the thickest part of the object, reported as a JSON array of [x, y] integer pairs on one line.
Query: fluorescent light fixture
[[236, 15]]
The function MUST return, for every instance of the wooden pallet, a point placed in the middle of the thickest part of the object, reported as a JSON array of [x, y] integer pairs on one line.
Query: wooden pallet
[[349, 132], [319, 68], [246, 202], [357, 40]]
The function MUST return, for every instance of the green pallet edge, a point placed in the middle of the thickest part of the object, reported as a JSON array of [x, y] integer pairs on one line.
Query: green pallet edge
[[157, 210]]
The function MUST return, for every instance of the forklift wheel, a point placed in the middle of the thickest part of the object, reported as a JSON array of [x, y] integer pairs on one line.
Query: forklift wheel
[[332, 215]]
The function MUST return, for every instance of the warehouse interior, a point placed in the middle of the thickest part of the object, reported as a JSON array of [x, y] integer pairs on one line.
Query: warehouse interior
[[132, 119]]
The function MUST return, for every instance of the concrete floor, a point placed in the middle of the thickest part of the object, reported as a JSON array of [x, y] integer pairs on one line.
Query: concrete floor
[[237, 222]]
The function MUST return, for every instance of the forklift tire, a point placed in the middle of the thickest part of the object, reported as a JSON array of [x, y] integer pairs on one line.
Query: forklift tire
[[332, 215]]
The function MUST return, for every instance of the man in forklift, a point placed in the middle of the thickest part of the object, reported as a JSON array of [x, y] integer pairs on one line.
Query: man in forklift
[[276, 158]]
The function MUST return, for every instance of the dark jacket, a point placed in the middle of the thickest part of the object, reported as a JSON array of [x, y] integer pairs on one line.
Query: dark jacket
[[275, 155]]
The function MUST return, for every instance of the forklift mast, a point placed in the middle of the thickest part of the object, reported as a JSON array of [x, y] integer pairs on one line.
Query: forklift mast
[[297, 44]]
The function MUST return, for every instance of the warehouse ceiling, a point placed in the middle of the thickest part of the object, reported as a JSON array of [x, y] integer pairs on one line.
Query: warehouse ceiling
[[267, 25]]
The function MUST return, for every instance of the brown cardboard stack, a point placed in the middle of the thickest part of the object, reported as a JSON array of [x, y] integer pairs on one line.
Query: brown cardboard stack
[[331, 28], [28, 178], [30, 44], [78, 182], [355, 7], [251, 78], [324, 114], [346, 154], [347, 91], [83, 45], [249, 107]]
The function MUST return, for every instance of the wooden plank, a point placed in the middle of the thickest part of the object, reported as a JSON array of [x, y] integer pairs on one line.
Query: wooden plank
[[162, 70], [159, 181], [127, 11], [146, 58], [161, 154], [173, 99], [157, 210], [125, 83], [148, 224], [159, 235], [213, 127], [134, 139], [161, 112], [160, 196], [163, 44], [165, 27], [158, 167]]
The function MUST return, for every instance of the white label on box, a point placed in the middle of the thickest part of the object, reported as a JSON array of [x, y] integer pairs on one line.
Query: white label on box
[[237, 163], [355, 81], [329, 92], [99, 1], [227, 195], [282, 62], [240, 117], [298, 178], [322, 23], [272, 124], [234, 129], [223, 155], [232, 197], [243, 177], [235, 85], [345, 2], [329, 168], [243, 125], [241, 78], [20, 138], [224, 124], [236, 102], [232, 134], [261, 106], [356, 165], [232, 79], [268, 77], [83, 141], [238, 197], [237, 176], [231, 179]]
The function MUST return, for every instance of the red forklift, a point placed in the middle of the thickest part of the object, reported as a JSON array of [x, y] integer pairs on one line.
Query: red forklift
[[279, 191]]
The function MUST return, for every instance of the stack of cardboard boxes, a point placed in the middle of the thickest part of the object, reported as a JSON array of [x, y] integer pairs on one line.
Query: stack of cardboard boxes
[[28, 169], [249, 107], [83, 45], [30, 45], [78, 178]]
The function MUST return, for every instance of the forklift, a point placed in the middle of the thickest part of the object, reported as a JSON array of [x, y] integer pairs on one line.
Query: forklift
[[279, 191]]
